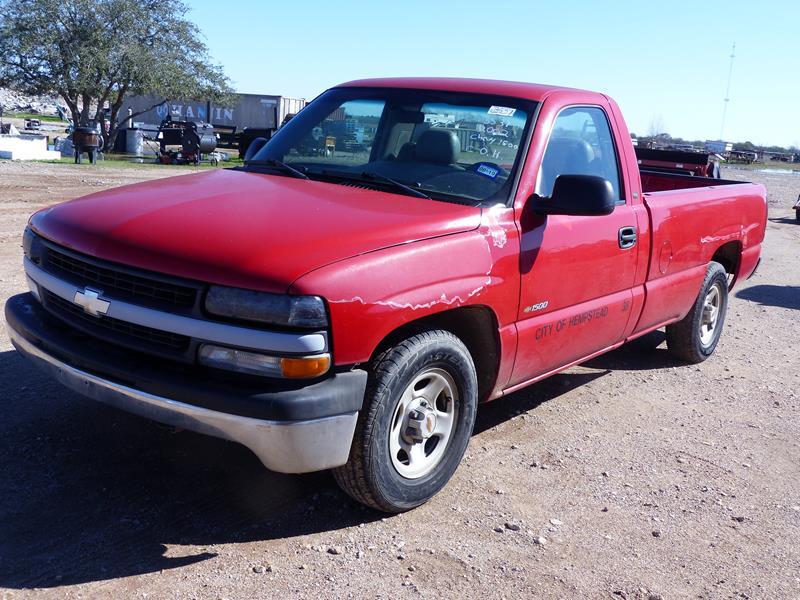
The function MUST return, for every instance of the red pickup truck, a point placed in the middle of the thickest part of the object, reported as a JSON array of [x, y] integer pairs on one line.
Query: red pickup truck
[[399, 252]]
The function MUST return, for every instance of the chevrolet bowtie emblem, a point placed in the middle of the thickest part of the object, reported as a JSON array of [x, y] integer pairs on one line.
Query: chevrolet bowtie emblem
[[90, 301]]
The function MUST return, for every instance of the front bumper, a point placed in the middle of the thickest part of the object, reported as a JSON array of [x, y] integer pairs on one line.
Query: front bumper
[[316, 435]]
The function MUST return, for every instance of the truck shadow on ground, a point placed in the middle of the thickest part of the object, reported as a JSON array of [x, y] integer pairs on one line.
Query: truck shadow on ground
[[786, 220], [782, 296], [89, 493]]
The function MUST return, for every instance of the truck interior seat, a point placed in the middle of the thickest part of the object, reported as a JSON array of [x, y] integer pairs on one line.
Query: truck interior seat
[[407, 152], [564, 156], [438, 146], [434, 154]]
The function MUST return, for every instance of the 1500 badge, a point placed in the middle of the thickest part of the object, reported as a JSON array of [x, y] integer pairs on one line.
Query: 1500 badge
[[535, 307]]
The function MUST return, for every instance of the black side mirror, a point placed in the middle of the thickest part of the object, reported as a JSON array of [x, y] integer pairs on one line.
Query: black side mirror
[[253, 147], [580, 195]]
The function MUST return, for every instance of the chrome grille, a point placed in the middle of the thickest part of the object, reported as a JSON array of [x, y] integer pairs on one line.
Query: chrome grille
[[119, 283], [121, 332]]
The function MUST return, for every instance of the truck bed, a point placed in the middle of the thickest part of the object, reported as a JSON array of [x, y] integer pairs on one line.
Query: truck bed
[[694, 220], [657, 181]]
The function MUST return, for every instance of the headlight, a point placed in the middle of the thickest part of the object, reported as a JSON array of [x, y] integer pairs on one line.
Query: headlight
[[27, 241], [276, 309], [255, 363], [32, 245], [28, 238]]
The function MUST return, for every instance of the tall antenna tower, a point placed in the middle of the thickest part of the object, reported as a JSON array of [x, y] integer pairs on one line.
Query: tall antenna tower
[[727, 93]]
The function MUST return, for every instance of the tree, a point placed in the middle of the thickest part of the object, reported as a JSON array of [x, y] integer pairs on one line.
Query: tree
[[93, 53], [656, 127], [745, 146]]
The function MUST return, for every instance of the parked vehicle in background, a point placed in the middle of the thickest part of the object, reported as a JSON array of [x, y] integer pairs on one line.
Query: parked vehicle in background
[[399, 252], [718, 147], [742, 156], [234, 124], [684, 162]]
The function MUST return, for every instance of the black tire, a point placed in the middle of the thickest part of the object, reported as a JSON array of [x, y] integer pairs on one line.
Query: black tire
[[370, 476], [685, 338]]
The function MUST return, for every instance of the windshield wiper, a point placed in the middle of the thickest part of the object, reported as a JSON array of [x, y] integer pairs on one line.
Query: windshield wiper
[[397, 184], [277, 164], [371, 176]]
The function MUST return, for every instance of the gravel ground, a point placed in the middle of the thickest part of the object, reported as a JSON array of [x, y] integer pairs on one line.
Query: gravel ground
[[631, 476]]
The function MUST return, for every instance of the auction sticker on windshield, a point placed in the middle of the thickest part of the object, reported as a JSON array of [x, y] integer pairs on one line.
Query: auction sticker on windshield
[[503, 111]]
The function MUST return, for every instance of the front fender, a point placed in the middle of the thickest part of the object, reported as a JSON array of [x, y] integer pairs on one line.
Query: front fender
[[371, 295]]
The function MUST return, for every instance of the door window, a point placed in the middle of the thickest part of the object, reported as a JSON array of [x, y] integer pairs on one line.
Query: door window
[[580, 144]]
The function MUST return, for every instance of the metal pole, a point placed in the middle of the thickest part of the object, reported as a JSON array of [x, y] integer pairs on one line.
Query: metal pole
[[727, 93]]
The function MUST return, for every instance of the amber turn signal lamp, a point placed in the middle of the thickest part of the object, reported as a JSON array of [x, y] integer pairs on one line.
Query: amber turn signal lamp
[[309, 366]]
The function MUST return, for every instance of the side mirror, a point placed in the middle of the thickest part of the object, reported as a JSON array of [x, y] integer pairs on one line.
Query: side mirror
[[253, 147], [579, 195]]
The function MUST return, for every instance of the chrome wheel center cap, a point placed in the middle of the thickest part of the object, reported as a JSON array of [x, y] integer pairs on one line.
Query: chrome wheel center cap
[[421, 423]]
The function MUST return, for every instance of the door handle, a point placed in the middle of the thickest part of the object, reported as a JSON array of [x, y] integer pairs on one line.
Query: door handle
[[627, 237]]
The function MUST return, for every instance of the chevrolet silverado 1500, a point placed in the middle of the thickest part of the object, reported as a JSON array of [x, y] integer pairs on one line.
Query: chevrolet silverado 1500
[[400, 251]]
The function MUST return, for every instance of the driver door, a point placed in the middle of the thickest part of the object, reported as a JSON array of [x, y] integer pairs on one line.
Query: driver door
[[577, 274]]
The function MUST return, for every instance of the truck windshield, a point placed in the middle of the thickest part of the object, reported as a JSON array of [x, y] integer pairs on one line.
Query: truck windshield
[[443, 145]]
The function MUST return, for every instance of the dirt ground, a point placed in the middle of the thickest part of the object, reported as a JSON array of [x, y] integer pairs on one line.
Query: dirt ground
[[631, 476]]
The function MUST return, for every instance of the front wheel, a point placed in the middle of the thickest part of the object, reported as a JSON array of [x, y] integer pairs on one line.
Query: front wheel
[[415, 424], [694, 338]]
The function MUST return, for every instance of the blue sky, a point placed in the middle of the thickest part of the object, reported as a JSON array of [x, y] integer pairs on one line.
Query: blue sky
[[663, 62]]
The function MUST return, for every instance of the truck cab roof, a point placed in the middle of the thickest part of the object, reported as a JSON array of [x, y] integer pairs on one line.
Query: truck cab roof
[[517, 89]]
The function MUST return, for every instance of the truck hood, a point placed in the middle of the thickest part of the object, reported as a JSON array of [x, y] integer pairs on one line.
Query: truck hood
[[243, 229]]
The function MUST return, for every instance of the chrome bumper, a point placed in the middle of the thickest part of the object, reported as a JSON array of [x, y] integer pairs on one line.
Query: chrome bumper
[[283, 446]]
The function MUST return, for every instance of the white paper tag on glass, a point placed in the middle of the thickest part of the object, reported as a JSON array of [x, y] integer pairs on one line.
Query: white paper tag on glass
[[503, 111]]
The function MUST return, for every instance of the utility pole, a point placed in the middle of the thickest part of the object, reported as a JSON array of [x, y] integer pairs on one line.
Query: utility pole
[[727, 93]]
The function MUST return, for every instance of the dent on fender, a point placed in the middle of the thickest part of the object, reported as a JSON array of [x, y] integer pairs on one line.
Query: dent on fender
[[442, 300], [712, 239], [461, 289], [494, 230]]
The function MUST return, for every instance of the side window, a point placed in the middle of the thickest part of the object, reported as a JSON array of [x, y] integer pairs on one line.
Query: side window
[[580, 144]]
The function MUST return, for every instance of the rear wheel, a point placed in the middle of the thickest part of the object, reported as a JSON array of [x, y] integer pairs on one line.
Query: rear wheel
[[415, 425], [694, 338]]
